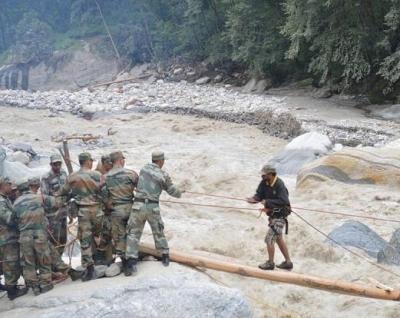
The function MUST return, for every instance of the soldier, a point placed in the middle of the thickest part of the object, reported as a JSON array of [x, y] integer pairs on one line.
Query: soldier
[[275, 196], [50, 184], [32, 225], [152, 181], [105, 165], [119, 186], [9, 247], [104, 251], [84, 186]]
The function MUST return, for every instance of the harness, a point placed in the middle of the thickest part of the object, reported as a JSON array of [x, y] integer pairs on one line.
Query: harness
[[280, 213]]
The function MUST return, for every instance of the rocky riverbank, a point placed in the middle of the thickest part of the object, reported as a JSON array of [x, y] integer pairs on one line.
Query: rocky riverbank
[[280, 116]]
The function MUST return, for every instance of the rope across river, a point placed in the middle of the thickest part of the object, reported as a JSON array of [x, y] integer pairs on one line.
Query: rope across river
[[297, 215]]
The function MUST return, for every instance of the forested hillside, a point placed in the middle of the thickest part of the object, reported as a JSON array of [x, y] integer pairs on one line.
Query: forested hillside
[[351, 45]]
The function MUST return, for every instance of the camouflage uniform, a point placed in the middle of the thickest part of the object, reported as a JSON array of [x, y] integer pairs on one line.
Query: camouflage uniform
[[9, 248], [152, 180], [84, 187], [118, 191], [33, 239], [50, 184]]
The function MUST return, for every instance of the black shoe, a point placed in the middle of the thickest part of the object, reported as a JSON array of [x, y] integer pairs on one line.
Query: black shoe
[[46, 288], [74, 274], [36, 290], [15, 292], [165, 260], [130, 266], [285, 265], [88, 274], [267, 266]]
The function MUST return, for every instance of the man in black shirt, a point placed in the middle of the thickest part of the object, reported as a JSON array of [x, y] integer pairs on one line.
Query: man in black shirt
[[273, 194]]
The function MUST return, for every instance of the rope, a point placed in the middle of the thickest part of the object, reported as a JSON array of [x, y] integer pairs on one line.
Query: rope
[[210, 205], [303, 209], [344, 247]]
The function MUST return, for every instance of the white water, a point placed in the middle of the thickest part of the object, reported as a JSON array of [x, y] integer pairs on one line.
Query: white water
[[222, 158]]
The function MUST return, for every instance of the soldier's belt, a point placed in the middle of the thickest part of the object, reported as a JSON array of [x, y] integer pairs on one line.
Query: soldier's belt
[[145, 200]]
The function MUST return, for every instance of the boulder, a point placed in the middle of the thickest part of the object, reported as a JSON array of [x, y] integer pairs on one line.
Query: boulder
[[218, 79], [357, 234], [203, 80], [301, 150], [390, 254], [250, 86], [178, 71], [100, 271], [364, 165], [322, 93], [263, 85], [19, 156], [154, 292], [386, 112], [113, 270]]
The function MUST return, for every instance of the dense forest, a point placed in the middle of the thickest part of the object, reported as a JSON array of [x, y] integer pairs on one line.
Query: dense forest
[[349, 45]]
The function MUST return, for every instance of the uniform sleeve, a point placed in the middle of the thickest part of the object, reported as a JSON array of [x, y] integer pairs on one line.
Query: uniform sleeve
[[171, 189], [280, 199], [134, 178], [44, 186], [7, 216]]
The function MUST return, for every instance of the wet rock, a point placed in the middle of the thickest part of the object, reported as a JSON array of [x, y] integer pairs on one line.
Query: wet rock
[[391, 112], [390, 254], [100, 270], [178, 71], [23, 148], [203, 80], [177, 292], [357, 234], [322, 93], [19, 156], [218, 79], [363, 165], [263, 85], [250, 86], [114, 269]]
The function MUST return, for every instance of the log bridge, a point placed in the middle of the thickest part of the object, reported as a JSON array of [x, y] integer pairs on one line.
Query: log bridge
[[329, 285]]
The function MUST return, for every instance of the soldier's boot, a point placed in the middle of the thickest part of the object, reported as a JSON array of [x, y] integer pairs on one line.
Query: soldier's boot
[[165, 260], [88, 274], [285, 265], [124, 263], [15, 292], [36, 290], [74, 274], [46, 288], [130, 267]]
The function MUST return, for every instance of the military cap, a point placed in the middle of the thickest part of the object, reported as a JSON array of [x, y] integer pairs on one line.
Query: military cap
[[22, 185], [114, 156], [157, 155], [268, 169], [33, 182], [55, 158], [85, 156], [106, 159], [4, 180]]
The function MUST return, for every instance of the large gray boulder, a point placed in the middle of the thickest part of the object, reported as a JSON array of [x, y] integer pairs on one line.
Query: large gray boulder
[[301, 150], [390, 254], [156, 291], [356, 234]]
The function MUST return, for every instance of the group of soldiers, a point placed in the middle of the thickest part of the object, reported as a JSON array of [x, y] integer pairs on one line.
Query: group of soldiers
[[112, 205]]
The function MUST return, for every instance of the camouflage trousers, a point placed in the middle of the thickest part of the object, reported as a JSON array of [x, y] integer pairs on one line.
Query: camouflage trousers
[[142, 212], [35, 255], [58, 230], [119, 219], [57, 240], [275, 230], [104, 251], [9, 256], [90, 222]]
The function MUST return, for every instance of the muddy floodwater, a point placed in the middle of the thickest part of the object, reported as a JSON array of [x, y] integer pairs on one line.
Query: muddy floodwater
[[225, 159]]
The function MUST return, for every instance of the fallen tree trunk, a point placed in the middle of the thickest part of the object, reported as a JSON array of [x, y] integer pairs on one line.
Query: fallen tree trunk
[[330, 285]]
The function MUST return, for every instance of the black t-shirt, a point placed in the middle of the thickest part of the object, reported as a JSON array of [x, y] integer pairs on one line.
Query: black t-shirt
[[276, 196]]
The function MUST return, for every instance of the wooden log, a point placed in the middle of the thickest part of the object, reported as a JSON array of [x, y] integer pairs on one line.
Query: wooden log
[[67, 157], [330, 285]]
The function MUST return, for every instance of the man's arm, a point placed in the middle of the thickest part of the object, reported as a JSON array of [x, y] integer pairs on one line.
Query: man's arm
[[6, 214], [171, 189], [43, 186], [258, 196]]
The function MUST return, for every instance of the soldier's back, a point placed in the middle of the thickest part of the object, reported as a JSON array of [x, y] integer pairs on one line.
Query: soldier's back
[[30, 213], [85, 185], [120, 183]]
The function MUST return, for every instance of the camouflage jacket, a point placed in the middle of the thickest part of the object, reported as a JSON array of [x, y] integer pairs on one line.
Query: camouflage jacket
[[84, 186], [152, 181], [51, 184], [8, 230], [30, 211], [119, 186]]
